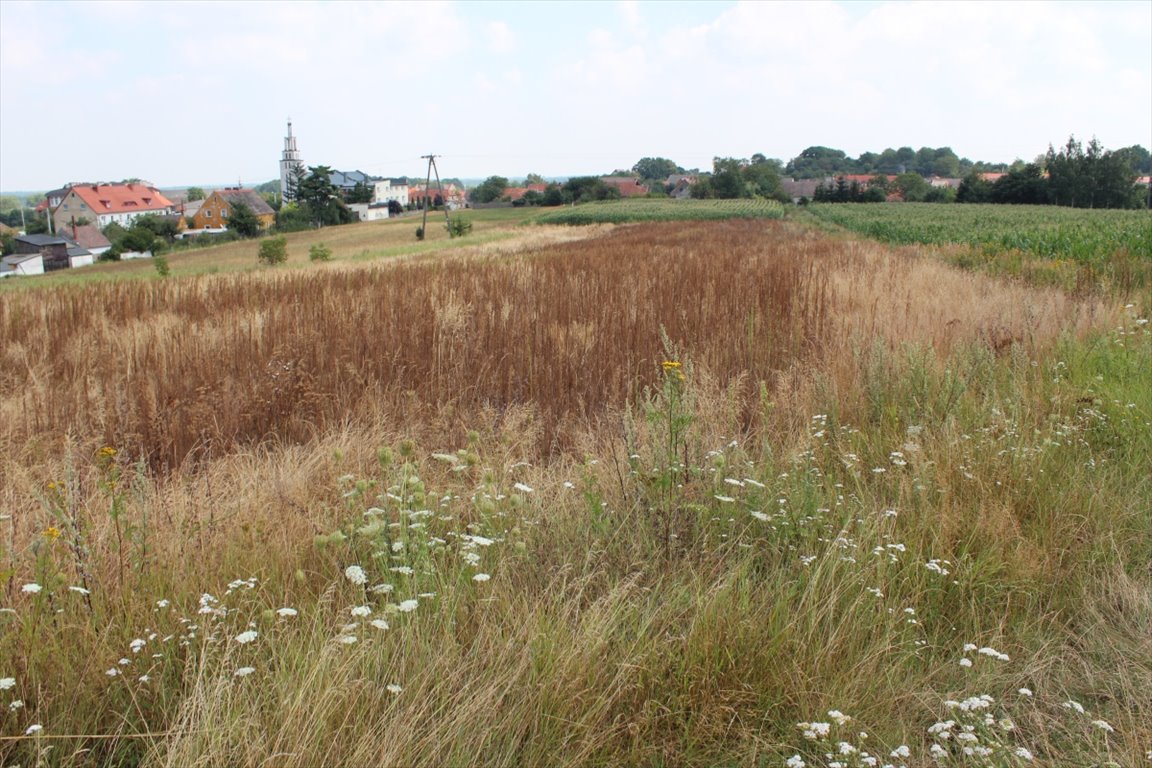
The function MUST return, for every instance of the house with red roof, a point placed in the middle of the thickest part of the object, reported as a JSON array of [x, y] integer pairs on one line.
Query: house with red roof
[[104, 204], [627, 185]]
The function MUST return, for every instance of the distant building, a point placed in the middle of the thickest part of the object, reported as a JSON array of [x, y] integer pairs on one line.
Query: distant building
[[52, 249], [627, 185], [104, 204], [22, 264], [215, 210], [289, 161]]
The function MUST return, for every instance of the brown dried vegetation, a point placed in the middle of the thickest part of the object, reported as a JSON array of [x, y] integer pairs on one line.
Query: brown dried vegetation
[[179, 370]]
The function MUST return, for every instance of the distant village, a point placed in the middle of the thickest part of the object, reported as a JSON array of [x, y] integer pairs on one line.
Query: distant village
[[74, 222]]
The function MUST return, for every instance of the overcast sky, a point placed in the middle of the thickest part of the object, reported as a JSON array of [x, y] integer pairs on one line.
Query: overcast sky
[[199, 93]]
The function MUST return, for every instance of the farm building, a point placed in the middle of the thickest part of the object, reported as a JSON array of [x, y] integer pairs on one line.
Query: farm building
[[22, 264], [103, 204], [217, 207]]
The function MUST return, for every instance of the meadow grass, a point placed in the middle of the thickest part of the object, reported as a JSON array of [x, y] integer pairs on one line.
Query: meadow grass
[[703, 494], [636, 210]]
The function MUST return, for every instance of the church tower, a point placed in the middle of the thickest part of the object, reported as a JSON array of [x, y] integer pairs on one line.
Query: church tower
[[289, 160]]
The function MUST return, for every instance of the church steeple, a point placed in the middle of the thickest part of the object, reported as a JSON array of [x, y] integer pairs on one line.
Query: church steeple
[[289, 160]]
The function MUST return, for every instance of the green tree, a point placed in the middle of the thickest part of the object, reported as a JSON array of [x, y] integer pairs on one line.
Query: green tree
[[912, 186], [9, 203], [273, 250], [361, 193], [489, 190], [655, 168], [728, 178], [974, 189], [243, 221], [319, 197], [762, 178], [534, 178], [1022, 186], [164, 227], [195, 193]]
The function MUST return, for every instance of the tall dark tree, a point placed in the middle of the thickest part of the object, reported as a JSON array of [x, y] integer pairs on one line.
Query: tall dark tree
[[243, 221], [320, 198]]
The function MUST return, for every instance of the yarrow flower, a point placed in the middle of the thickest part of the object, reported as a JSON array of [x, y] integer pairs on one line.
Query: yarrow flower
[[286, 612], [362, 610], [31, 589], [481, 577], [7, 683], [814, 730], [246, 637], [1104, 725], [1023, 753], [407, 606], [356, 575], [795, 762], [243, 671], [838, 717], [1025, 692]]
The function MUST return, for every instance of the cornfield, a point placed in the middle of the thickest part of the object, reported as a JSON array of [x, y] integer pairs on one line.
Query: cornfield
[[645, 209]]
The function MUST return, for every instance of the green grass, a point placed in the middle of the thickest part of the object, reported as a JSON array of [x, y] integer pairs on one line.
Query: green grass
[[661, 209]]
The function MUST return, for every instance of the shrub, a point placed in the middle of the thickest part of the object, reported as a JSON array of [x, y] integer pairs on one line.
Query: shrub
[[274, 250], [319, 252], [419, 233], [161, 264], [458, 227]]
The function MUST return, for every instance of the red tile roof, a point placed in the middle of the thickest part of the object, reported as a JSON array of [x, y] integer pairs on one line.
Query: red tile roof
[[628, 187], [122, 198]]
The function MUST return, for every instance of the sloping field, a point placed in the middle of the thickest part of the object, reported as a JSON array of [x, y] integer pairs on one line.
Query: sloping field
[[645, 209], [684, 493]]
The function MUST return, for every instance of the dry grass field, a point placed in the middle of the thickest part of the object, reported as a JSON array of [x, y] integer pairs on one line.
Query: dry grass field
[[682, 493]]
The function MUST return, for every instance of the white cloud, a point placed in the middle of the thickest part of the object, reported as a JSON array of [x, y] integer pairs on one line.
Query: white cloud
[[500, 37]]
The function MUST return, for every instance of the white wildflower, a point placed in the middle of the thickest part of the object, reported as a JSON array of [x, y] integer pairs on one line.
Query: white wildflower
[[965, 662], [246, 637], [80, 590], [1025, 692], [137, 645], [355, 574], [16, 704], [31, 589], [481, 577], [523, 488], [144, 678], [393, 689], [723, 499], [403, 570], [33, 729], [407, 606], [1023, 753], [112, 672], [901, 751], [379, 623], [795, 762], [1104, 725], [7, 683], [838, 717], [243, 671], [1075, 705], [362, 610], [286, 612], [347, 639]]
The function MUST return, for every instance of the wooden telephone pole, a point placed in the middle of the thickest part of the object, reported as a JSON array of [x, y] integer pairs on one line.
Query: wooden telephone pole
[[427, 199]]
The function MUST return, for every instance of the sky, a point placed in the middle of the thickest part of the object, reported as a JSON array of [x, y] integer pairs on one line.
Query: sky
[[183, 93]]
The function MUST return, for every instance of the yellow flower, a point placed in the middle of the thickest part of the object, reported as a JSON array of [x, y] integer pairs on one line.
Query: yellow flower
[[107, 452], [670, 365], [52, 532]]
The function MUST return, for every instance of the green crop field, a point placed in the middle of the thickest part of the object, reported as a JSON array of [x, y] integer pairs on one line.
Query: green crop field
[[1059, 246], [657, 209], [1046, 231]]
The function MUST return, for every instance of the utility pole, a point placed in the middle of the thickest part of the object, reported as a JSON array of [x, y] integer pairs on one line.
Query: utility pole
[[427, 199]]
